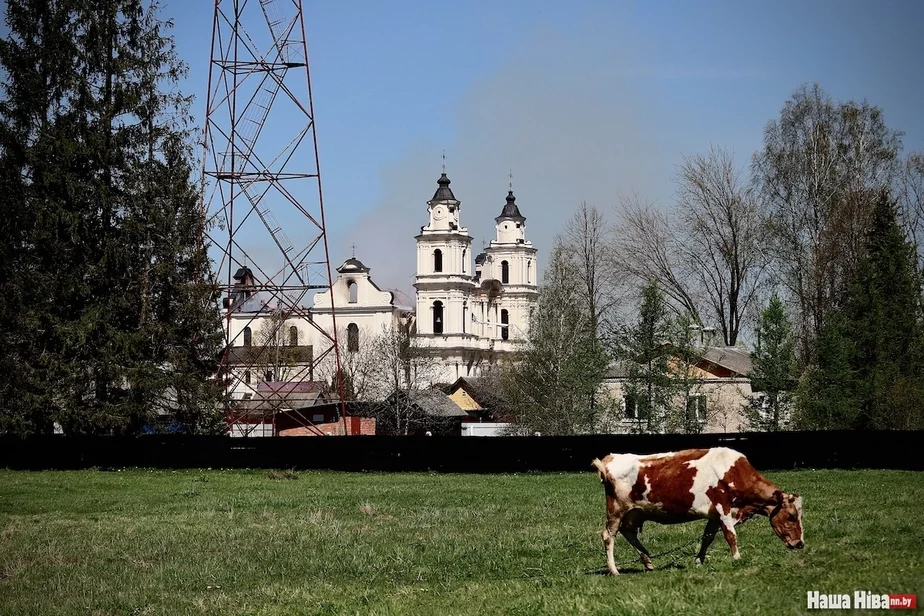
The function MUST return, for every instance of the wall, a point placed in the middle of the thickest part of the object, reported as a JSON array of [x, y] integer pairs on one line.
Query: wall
[[504, 454]]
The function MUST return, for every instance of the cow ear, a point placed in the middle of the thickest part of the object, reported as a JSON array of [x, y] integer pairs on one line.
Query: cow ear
[[778, 497]]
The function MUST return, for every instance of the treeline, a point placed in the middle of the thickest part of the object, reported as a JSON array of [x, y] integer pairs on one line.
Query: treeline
[[108, 322], [810, 257]]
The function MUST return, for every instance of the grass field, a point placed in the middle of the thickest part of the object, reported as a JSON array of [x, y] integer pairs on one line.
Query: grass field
[[241, 542]]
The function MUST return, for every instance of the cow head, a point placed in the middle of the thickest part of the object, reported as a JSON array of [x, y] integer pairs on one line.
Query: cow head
[[785, 512]]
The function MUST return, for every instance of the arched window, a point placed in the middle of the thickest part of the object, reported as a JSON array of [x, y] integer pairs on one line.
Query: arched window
[[248, 337], [464, 268], [529, 267], [293, 336], [505, 319], [247, 377], [354, 291], [352, 337], [437, 260], [505, 272], [437, 317]]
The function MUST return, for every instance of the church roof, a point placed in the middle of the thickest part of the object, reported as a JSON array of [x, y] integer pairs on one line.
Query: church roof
[[443, 193], [352, 265], [511, 211]]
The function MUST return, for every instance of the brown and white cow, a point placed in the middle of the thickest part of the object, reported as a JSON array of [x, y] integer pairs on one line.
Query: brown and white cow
[[718, 485]]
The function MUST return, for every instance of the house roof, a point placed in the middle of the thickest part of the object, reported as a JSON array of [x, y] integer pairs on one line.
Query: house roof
[[435, 403], [735, 360], [482, 390]]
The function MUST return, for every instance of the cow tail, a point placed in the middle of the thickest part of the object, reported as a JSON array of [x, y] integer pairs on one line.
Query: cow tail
[[601, 469]]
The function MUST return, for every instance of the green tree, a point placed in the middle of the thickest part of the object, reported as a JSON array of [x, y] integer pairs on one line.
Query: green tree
[[552, 385], [773, 369], [649, 389], [870, 358], [120, 327], [688, 409]]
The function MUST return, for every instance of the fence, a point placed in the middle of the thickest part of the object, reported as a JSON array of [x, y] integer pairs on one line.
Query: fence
[[766, 451]]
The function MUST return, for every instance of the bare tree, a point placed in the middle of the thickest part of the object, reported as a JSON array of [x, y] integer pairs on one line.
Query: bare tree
[[280, 355], [648, 249], [404, 371], [586, 242], [818, 173], [911, 201], [359, 365], [719, 239]]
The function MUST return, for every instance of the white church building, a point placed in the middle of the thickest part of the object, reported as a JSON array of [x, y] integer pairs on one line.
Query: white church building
[[469, 312]]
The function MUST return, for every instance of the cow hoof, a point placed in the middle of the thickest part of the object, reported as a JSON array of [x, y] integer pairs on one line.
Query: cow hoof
[[699, 563], [614, 572]]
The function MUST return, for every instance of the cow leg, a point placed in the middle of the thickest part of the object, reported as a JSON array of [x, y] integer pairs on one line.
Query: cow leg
[[712, 527], [608, 534], [631, 535], [728, 528]]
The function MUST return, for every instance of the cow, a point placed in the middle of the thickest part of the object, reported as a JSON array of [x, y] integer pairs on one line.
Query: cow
[[718, 485]]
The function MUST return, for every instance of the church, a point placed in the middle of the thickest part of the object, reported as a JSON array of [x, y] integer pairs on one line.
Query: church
[[469, 311]]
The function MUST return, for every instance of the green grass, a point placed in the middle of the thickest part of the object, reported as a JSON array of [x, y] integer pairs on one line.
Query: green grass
[[241, 542]]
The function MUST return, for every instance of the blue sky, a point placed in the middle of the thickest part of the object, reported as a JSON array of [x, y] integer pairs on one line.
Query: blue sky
[[582, 100]]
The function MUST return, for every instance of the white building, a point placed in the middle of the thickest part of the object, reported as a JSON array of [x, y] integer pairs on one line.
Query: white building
[[467, 316]]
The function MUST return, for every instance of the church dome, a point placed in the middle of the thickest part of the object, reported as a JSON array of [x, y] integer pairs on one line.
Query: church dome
[[443, 193], [352, 265], [510, 211]]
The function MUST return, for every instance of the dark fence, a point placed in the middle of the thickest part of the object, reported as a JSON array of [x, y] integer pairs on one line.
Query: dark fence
[[781, 450]]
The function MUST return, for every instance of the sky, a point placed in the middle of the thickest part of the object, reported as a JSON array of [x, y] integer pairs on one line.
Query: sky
[[581, 100]]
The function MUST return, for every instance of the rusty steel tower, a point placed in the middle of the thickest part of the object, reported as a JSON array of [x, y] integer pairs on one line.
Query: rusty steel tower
[[262, 198]]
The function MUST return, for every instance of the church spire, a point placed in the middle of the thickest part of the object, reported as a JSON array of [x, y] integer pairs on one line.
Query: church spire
[[443, 192]]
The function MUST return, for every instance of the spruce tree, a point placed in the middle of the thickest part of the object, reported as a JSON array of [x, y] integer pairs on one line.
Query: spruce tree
[[869, 371], [122, 326], [649, 389], [773, 369]]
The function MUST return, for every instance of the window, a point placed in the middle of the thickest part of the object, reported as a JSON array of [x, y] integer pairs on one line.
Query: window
[[317, 418], [696, 408], [353, 290], [293, 336], [309, 355], [505, 272], [437, 260], [437, 317], [352, 337], [635, 406], [463, 260], [529, 267], [248, 337], [247, 377], [505, 319]]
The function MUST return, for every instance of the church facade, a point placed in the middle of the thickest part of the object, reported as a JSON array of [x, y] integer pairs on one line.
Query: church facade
[[470, 311]]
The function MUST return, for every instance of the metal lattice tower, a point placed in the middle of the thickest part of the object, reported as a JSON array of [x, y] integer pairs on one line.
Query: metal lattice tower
[[261, 192]]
